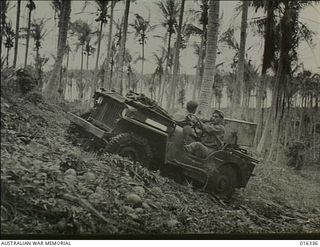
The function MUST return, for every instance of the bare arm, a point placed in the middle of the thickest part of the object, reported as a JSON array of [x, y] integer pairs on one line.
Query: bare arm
[[213, 129]]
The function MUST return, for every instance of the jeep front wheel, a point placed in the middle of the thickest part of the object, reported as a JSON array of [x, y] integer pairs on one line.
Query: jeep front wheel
[[132, 146], [223, 181]]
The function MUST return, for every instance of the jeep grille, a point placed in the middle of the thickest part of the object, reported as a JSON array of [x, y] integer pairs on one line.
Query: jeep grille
[[107, 114]]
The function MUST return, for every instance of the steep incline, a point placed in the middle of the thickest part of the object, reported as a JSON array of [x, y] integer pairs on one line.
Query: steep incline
[[50, 186]]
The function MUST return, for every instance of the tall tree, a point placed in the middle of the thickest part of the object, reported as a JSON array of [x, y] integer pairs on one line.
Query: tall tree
[[200, 49], [159, 70], [84, 33], [88, 51], [141, 27], [16, 39], [210, 59], [9, 37], [123, 47], [107, 62], [267, 27], [291, 30], [3, 22], [51, 89], [176, 65], [102, 18], [31, 6], [169, 10], [37, 34], [65, 72], [239, 85]]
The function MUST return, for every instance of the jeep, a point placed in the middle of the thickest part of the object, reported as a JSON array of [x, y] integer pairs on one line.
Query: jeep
[[134, 126]]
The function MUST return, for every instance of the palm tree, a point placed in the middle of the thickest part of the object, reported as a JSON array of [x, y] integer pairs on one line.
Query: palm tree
[[210, 59], [68, 50], [141, 27], [169, 10], [176, 57], [9, 37], [107, 62], [291, 31], [239, 85], [31, 6], [4, 7], [159, 70], [64, 78], [113, 52], [102, 18], [56, 6], [84, 33], [16, 40], [51, 90], [37, 33], [123, 46], [200, 49], [267, 25], [88, 51]]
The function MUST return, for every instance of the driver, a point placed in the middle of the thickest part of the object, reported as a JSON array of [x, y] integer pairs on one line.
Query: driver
[[213, 135]]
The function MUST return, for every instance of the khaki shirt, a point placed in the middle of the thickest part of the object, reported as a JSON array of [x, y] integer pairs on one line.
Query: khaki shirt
[[213, 135]]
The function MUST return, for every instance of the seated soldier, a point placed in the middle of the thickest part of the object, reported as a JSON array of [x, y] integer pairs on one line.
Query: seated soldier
[[213, 136], [183, 119], [295, 155]]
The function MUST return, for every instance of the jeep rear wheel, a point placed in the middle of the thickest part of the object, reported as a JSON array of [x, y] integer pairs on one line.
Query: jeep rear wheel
[[132, 146], [223, 181]]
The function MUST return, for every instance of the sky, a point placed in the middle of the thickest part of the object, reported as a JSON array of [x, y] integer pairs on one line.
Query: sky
[[308, 56]]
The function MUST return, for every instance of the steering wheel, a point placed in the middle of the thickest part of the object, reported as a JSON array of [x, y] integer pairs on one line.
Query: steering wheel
[[195, 124]]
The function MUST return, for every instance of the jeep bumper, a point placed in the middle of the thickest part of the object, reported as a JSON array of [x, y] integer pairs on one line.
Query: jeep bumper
[[87, 125]]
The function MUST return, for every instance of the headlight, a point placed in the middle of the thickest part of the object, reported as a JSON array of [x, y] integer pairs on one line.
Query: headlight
[[124, 112]]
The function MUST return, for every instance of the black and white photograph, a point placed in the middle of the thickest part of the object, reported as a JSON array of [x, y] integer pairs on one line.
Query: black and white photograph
[[160, 119]]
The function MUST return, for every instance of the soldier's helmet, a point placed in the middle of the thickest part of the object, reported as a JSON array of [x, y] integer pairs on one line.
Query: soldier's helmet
[[219, 113]]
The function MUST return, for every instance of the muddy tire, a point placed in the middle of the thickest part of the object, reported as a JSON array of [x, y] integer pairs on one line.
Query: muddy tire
[[132, 146], [224, 181]]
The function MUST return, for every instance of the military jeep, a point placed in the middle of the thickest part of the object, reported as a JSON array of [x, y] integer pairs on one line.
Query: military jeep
[[136, 127]]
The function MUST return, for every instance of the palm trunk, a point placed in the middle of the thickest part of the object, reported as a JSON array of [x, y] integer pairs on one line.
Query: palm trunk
[[27, 39], [166, 72], [280, 83], [96, 69], [262, 86], [87, 67], [123, 47], [142, 64], [159, 90], [38, 75], [17, 34], [203, 55], [195, 85], [51, 90], [107, 78], [211, 55], [81, 72], [7, 59], [67, 73], [239, 85], [111, 73], [314, 137], [176, 58]]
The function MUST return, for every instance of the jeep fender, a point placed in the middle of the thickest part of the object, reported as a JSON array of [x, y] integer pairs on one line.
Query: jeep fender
[[156, 138], [223, 157]]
